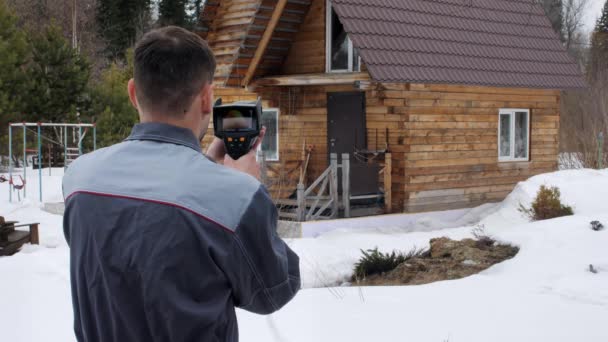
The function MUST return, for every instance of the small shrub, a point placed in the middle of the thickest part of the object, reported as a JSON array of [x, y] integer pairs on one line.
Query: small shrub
[[546, 205], [376, 262]]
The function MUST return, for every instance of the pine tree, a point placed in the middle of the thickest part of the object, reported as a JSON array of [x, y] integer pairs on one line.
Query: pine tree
[[602, 23], [121, 22], [172, 12], [58, 77], [14, 52], [115, 114], [598, 63], [183, 13]]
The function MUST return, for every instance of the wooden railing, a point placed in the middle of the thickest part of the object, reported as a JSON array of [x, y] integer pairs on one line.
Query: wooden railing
[[322, 200], [311, 204]]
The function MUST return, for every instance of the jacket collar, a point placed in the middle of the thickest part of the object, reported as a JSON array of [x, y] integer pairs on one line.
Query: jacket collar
[[165, 133]]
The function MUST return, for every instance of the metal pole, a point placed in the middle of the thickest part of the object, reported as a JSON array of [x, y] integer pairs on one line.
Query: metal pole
[[39, 164], [10, 163], [24, 164], [79, 140], [65, 147], [600, 152], [94, 137]]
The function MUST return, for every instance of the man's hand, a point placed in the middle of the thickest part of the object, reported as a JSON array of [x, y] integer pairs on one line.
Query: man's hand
[[216, 150], [247, 163]]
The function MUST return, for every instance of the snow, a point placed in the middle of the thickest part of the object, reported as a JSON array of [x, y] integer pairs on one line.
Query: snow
[[545, 293]]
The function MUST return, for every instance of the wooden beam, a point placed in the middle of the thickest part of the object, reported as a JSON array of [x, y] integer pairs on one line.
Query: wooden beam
[[259, 52], [312, 79]]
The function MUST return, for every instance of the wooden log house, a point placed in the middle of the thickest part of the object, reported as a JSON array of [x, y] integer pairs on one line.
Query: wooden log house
[[463, 94]]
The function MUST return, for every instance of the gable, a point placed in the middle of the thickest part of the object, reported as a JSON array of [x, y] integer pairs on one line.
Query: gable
[[225, 25], [235, 28]]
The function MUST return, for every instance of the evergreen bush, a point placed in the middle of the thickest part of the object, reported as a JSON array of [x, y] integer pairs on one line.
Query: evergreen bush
[[546, 205], [375, 262]]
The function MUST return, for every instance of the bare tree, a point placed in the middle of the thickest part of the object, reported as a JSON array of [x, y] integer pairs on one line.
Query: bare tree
[[75, 17], [573, 17]]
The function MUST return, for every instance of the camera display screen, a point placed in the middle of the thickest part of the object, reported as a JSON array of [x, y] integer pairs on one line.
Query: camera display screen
[[237, 119]]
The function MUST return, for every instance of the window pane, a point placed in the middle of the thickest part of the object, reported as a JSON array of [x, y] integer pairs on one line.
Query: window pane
[[505, 135], [271, 139], [521, 135], [339, 44]]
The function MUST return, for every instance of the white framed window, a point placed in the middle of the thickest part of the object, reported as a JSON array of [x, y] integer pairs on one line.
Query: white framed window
[[270, 144], [513, 134], [341, 56]]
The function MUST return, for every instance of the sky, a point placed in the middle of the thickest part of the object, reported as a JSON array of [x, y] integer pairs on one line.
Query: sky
[[594, 9]]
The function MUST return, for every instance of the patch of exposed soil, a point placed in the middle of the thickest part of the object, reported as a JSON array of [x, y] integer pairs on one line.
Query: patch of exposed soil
[[447, 259]]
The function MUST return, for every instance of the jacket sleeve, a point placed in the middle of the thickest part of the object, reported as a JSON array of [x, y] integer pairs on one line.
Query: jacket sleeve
[[268, 274]]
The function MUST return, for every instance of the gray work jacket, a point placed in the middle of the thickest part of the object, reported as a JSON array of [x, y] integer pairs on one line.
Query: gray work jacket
[[164, 243]]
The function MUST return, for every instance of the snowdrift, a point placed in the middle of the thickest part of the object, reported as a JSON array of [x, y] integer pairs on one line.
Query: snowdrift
[[545, 293]]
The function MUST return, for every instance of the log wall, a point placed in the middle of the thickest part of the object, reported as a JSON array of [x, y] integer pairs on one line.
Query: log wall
[[451, 136], [443, 138], [307, 52], [303, 120]]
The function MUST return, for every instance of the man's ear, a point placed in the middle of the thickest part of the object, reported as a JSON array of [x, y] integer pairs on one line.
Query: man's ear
[[207, 99], [131, 90]]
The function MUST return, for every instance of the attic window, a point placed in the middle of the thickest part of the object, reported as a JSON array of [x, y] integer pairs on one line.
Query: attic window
[[341, 56]]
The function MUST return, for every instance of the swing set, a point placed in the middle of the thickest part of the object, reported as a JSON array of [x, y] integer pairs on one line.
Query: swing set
[[17, 182]]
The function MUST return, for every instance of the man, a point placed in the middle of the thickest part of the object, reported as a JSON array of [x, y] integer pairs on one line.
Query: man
[[165, 243]]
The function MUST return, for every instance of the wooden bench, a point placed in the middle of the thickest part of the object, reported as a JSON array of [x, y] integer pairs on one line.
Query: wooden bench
[[12, 239]]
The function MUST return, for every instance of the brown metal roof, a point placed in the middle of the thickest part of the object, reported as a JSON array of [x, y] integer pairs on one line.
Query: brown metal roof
[[481, 42]]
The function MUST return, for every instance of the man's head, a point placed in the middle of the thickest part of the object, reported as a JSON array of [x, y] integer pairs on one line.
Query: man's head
[[173, 79]]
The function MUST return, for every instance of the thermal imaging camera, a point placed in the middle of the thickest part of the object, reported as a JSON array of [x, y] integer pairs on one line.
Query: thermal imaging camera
[[238, 124]]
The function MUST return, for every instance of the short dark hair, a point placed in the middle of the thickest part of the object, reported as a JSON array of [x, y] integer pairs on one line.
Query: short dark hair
[[172, 65]]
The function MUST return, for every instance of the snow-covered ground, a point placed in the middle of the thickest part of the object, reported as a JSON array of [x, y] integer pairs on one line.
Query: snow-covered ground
[[545, 293]]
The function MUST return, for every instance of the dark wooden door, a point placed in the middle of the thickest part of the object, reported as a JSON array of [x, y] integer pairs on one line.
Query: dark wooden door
[[346, 133], [345, 122]]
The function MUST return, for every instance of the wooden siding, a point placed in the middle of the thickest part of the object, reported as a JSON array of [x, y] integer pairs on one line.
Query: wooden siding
[[227, 24], [307, 53], [303, 119], [236, 32], [451, 135], [443, 138]]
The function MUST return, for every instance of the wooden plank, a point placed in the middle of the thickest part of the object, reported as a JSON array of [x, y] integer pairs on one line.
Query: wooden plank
[[346, 184], [481, 89], [34, 236], [312, 79]]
